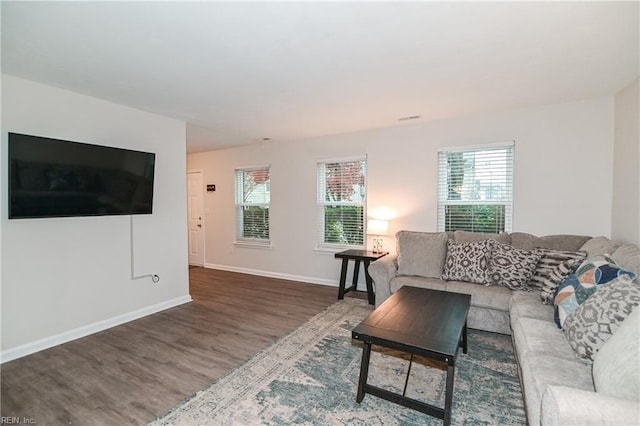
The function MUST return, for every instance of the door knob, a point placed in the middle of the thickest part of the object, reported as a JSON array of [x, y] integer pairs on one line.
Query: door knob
[[199, 225]]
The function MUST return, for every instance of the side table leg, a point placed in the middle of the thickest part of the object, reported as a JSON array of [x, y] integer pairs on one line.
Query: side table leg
[[356, 272], [343, 278], [364, 371]]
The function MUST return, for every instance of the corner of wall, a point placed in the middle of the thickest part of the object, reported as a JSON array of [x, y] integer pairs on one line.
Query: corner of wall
[[625, 225]]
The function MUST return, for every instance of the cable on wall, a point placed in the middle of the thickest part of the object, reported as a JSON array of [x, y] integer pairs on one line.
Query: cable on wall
[[154, 277]]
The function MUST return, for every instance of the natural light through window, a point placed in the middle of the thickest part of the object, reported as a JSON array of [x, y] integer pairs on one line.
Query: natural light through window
[[253, 196], [475, 189], [342, 197]]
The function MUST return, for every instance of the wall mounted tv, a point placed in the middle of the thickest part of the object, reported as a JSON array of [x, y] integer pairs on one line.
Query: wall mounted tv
[[56, 178]]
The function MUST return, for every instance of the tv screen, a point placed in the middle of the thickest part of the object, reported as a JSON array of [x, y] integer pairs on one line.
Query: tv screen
[[56, 178]]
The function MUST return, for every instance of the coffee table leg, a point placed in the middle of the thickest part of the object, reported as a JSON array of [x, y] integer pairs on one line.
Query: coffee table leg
[[464, 338], [364, 371], [370, 295], [448, 396], [343, 278]]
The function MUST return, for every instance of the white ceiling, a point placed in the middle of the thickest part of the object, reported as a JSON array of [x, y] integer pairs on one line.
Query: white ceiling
[[238, 72]]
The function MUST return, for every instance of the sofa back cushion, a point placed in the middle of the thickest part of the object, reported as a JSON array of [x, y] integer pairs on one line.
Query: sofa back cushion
[[421, 254], [524, 241], [628, 257], [472, 237], [600, 246], [616, 366]]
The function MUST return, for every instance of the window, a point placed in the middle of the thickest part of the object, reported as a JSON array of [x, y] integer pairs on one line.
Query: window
[[253, 194], [475, 189], [342, 197]]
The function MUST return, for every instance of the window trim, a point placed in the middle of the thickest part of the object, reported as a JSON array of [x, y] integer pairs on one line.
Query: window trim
[[442, 202], [322, 246], [239, 240]]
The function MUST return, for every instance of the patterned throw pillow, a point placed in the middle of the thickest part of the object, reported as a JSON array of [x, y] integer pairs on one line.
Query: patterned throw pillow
[[468, 262], [555, 278], [511, 267], [550, 263], [600, 270], [589, 277], [595, 321], [569, 295]]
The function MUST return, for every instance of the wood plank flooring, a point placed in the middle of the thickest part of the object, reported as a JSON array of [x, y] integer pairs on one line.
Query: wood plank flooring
[[133, 373]]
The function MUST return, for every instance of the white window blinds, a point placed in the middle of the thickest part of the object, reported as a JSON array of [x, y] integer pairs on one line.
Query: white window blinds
[[475, 189], [253, 195], [342, 197]]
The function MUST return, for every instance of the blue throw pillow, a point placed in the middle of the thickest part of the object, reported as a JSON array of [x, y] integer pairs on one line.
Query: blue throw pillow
[[600, 270], [577, 287]]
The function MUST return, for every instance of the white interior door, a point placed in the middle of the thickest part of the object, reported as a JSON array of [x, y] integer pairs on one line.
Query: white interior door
[[196, 224]]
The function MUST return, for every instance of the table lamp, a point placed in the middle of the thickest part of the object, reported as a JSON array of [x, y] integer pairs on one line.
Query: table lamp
[[377, 228]]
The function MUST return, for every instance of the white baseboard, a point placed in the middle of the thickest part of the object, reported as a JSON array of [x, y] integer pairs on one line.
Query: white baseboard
[[67, 336], [289, 277]]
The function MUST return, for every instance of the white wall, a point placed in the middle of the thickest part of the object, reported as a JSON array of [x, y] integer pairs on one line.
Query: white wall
[[626, 173], [67, 277], [563, 181]]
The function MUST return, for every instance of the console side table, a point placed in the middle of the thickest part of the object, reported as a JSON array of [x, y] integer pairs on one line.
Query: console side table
[[358, 256]]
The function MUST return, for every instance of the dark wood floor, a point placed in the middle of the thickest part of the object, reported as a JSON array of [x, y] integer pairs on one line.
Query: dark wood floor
[[133, 373]]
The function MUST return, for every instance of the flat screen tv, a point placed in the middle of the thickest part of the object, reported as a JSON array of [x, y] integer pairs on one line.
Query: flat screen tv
[[57, 178]]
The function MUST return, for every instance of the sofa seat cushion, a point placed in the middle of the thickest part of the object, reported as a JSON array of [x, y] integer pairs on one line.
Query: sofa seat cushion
[[431, 283], [541, 370], [527, 305], [492, 297], [532, 335]]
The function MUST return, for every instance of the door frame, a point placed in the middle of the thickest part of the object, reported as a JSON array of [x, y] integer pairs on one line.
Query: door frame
[[202, 194]]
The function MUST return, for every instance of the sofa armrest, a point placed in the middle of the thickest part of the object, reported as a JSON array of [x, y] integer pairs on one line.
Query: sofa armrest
[[562, 405], [382, 271]]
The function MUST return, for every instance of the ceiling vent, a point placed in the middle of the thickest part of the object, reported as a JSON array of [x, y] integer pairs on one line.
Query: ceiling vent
[[411, 117]]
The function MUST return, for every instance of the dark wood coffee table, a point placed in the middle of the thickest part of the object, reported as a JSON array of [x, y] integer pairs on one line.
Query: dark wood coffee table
[[418, 321]]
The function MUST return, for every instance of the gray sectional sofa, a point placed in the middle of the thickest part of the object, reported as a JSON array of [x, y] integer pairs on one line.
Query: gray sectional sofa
[[558, 388]]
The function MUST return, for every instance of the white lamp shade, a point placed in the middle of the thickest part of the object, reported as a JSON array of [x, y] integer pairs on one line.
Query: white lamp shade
[[377, 227]]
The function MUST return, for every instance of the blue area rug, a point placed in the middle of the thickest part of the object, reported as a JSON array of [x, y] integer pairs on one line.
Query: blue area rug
[[311, 376]]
